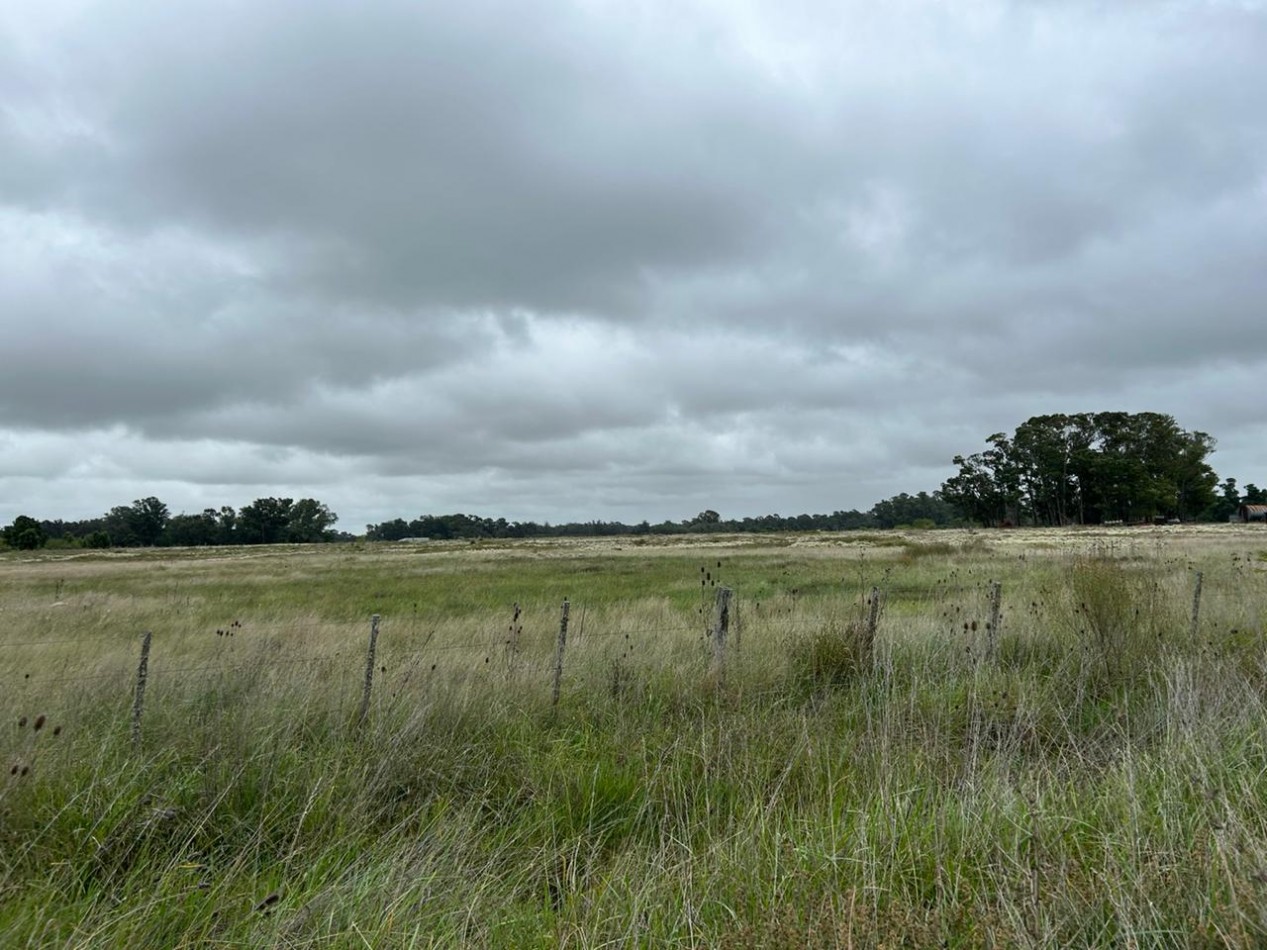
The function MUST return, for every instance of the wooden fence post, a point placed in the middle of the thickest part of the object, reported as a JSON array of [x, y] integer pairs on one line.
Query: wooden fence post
[[369, 672], [721, 626], [1196, 608], [873, 616], [558, 654], [142, 676], [996, 616]]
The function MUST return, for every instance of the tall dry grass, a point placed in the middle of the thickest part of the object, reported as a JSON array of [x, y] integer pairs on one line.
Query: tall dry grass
[[1097, 781]]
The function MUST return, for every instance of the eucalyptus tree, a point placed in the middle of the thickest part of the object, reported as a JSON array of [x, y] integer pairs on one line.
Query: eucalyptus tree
[[1086, 468]]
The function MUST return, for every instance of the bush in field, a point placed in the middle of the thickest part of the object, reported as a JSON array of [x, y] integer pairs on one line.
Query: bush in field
[[1118, 617], [914, 550], [832, 656]]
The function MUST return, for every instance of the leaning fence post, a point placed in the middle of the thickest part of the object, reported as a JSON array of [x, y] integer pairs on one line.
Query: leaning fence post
[[1196, 607], [369, 672], [996, 613], [721, 625], [142, 675], [558, 654]]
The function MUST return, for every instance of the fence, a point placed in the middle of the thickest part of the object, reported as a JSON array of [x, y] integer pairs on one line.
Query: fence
[[722, 634]]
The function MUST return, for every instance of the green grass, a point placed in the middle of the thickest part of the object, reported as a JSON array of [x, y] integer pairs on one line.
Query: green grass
[[1100, 780]]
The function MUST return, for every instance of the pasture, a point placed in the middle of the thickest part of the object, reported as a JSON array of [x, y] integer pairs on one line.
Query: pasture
[[1093, 772]]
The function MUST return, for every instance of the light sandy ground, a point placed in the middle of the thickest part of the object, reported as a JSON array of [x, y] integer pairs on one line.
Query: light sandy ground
[[1121, 539]]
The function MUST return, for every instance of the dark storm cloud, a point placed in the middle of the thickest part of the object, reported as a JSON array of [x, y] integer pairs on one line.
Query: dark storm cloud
[[523, 257]]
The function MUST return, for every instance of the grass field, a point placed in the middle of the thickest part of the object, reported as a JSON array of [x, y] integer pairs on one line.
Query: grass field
[[1088, 774]]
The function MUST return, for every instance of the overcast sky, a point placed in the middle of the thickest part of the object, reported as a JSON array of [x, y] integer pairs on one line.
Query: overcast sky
[[614, 259]]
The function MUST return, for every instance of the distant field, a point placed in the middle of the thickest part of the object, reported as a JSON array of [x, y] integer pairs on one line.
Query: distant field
[[1088, 774]]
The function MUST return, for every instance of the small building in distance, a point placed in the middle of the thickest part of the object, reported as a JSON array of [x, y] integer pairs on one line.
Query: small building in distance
[[1250, 513]]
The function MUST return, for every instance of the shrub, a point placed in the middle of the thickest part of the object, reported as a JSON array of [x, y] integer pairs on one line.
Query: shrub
[[832, 656], [1118, 616], [914, 550]]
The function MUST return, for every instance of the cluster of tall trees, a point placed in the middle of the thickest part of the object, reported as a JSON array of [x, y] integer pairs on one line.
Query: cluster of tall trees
[[147, 522], [1087, 468]]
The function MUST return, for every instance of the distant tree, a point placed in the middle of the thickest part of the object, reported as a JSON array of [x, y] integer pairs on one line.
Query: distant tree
[[850, 520], [1226, 502], [707, 520], [264, 521], [118, 524], [277, 520], [25, 534], [443, 527], [310, 521], [193, 530], [58, 529], [1086, 468], [73, 530], [1254, 495], [226, 525], [393, 530], [986, 489], [927, 510], [140, 524], [149, 518]]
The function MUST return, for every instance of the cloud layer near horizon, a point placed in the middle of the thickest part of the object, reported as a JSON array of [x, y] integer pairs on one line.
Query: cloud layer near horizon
[[600, 260]]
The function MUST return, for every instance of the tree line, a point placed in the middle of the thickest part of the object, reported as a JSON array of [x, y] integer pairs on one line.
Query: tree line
[[147, 522], [922, 510], [1083, 468]]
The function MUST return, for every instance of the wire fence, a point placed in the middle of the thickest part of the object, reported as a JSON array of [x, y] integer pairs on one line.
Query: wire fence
[[525, 647]]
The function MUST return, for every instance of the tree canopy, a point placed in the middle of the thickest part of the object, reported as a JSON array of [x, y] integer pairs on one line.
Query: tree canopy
[[1086, 468], [146, 522], [25, 534], [140, 524]]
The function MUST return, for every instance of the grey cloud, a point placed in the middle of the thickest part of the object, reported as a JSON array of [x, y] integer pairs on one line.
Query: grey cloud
[[535, 256], [103, 329], [457, 158]]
